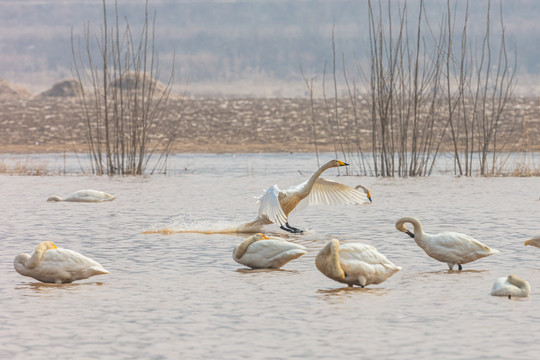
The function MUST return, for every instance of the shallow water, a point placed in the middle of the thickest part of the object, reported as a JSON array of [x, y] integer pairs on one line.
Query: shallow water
[[182, 295]]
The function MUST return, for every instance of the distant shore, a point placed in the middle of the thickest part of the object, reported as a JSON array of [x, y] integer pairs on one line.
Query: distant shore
[[53, 125]]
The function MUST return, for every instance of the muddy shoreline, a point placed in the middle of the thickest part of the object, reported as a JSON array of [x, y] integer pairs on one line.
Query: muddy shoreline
[[53, 125]]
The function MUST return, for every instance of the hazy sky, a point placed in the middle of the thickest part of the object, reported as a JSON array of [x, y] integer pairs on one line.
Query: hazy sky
[[237, 47]]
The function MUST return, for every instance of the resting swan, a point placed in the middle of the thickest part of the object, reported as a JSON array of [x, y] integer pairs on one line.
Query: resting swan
[[535, 241], [275, 205], [511, 285], [53, 265], [354, 264], [261, 252], [85, 196], [449, 247]]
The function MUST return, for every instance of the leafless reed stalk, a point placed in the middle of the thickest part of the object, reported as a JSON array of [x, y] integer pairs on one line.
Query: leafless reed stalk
[[126, 102], [428, 89]]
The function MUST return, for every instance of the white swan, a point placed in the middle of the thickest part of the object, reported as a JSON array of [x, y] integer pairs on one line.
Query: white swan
[[354, 264], [53, 265], [511, 285], [85, 196], [535, 241], [449, 247], [275, 205], [261, 252]]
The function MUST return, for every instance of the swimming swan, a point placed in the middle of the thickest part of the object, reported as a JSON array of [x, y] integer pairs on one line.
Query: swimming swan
[[261, 252], [511, 285], [535, 241], [354, 264], [85, 196], [449, 247], [275, 205], [53, 265]]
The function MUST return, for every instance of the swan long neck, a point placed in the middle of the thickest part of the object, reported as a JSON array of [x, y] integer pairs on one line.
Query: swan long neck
[[240, 250], [35, 259], [417, 226], [520, 283], [331, 252], [309, 185]]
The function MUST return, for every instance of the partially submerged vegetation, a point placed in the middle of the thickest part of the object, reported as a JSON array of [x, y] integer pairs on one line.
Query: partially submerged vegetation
[[429, 88], [125, 102], [426, 91]]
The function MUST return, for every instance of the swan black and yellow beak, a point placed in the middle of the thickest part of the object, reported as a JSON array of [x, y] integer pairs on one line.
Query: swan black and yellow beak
[[341, 163], [369, 197]]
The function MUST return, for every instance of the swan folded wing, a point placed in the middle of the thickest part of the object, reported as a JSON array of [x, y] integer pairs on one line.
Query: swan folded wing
[[361, 252], [329, 192], [462, 242], [273, 247], [270, 207], [69, 260]]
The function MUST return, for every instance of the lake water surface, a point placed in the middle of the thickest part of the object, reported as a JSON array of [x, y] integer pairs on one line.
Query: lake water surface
[[182, 296]]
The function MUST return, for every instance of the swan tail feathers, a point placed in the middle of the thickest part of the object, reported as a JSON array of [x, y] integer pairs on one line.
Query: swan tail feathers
[[289, 254], [98, 270]]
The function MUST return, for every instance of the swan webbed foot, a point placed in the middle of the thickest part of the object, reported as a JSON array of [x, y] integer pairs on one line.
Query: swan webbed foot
[[350, 285], [287, 229], [291, 229], [459, 267]]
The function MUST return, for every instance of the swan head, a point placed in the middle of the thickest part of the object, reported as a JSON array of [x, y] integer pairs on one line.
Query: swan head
[[259, 236], [366, 191], [334, 163], [521, 283], [46, 245], [400, 225], [535, 241], [54, 199]]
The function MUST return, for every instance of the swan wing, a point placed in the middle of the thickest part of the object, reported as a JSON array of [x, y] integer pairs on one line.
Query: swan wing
[[350, 254], [270, 207], [459, 242], [68, 259], [502, 287], [89, 195], [329, 192], [364, 265], [271, 253], [75, 266]]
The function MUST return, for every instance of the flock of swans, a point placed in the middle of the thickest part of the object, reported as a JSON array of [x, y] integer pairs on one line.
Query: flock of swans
[[350, 263]]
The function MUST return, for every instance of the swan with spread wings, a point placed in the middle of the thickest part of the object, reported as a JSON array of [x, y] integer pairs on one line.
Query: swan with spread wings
[[275, 205]]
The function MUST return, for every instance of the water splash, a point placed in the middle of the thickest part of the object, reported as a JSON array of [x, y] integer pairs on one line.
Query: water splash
[[186, 225]]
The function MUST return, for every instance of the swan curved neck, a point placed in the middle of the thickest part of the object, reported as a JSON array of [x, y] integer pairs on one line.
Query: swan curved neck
[[309, 185], [417, 226], [32, 261], [36, 257], [520, 283], [335, 266], [243, 246]]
